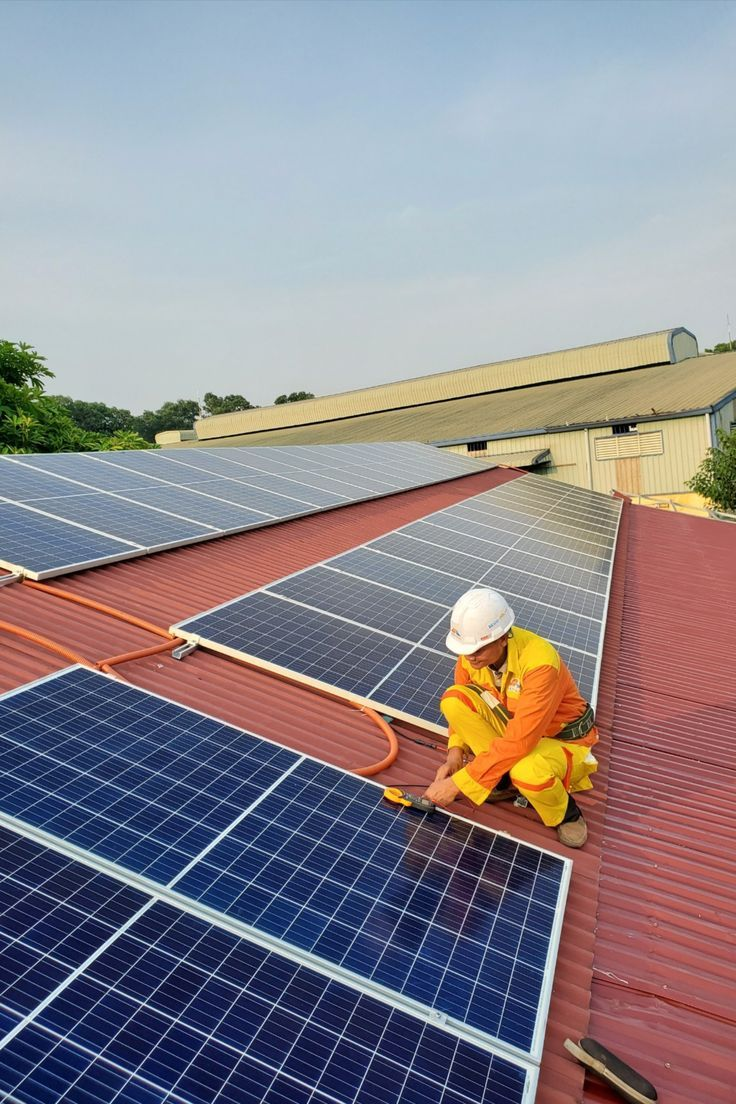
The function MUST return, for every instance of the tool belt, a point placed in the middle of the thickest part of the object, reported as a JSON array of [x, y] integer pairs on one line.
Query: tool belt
[[575, 730]]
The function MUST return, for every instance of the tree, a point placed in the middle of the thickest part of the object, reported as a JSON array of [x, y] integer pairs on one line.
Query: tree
[[31, 421], [172, 415], [723, 347], [225, 404], [96, 417], [715, 479], [22, 366], [295, 396]]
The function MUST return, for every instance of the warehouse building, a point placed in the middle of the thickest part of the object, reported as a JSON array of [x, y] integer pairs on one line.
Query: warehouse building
[[636, 415]]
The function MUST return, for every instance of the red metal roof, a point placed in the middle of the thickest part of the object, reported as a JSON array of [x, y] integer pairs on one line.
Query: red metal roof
[[664, 983], [658, 924]]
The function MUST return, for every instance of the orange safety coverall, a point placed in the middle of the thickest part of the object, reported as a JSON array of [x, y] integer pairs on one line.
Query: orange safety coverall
[[540, 696]]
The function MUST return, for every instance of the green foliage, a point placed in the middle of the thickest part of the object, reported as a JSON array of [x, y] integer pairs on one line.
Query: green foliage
[[723, 347], [21, 365], [295, 396], [31, 421], [715, 479], [96, 417], [224, 404], [172, 415]]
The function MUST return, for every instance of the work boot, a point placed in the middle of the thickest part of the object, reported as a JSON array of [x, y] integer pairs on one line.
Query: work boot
[[504, 791], [573, 831]]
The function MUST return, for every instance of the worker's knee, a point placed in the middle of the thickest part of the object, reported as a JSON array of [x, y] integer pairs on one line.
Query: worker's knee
[[456, 704], [533, 771]]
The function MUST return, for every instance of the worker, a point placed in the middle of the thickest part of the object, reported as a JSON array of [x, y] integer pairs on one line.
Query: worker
[[517, 722]]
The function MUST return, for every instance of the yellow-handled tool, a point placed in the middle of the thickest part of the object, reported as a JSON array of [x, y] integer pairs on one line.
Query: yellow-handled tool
[[401, 797]]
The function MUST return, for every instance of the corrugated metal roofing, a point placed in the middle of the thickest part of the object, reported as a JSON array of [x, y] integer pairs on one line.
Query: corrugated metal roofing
[[636, 395], [659, 957], [607, 356], [664, 988]]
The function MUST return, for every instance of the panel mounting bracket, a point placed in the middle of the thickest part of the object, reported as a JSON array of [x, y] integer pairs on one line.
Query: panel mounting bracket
[[6, 580], [183, 650]]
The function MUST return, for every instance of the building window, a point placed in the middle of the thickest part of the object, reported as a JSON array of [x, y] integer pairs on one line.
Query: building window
[[616, 429], [477, 446]]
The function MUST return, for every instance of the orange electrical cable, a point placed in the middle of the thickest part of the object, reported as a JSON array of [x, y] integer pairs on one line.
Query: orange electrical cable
[[68, 596], [169, 644], [393, 744], [44, 642], [141, 653]]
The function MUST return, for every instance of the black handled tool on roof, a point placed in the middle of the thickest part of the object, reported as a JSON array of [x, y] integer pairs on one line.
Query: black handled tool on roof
[[626, 1081], [401, 797]]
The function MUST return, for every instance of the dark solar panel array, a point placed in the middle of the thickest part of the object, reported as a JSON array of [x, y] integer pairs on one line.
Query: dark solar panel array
[[111, 996], [61, 512], [417, 917], [372, 622]]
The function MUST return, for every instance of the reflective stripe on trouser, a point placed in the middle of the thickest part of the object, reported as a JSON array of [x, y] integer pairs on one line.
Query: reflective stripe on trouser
[[545, 776]]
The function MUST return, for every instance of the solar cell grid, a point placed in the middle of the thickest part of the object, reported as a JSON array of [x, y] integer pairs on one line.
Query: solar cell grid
[[437, 533], [23, 484], [411, 688], [147, 786], [583, 669], [559, 625], [198, 507], [175, 1004], [420, 906], [53, 543], [557, 583], [318, 646], [245, 494], [556, 569], [178, 1010], [521, 584], [124, 520], [426, 554], [54, 913], [369, 563], [554, 551], [378, 607], [160, 497]]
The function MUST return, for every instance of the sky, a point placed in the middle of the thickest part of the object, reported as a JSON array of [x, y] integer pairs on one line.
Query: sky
[[275, 196]]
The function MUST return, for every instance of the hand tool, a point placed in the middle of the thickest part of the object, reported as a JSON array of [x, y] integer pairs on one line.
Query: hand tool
[[400, 797]]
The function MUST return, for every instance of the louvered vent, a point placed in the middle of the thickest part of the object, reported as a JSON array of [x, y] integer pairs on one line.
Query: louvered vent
[[629, 444]]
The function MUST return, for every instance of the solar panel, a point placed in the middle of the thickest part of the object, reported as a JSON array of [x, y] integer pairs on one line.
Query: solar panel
[[435, 916], [371, 623], [111, 995], [135, 502]]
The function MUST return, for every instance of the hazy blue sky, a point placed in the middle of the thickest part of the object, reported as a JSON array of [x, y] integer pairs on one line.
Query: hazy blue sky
[[263, 197]]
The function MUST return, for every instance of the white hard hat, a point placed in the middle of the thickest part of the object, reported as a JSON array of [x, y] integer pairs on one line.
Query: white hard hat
[[478, 618]]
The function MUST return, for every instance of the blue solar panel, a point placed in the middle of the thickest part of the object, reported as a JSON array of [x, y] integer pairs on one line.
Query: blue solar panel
[[42, 544], [177, 1009], [376, 607], [54, 913], [400, 587], [131, 778], [125, 520], [157, 506], [444, 915], [430, 907], [349, 656]]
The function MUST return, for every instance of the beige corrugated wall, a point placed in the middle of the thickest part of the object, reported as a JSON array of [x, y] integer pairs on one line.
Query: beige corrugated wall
[[573, 457], [587, 360]]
